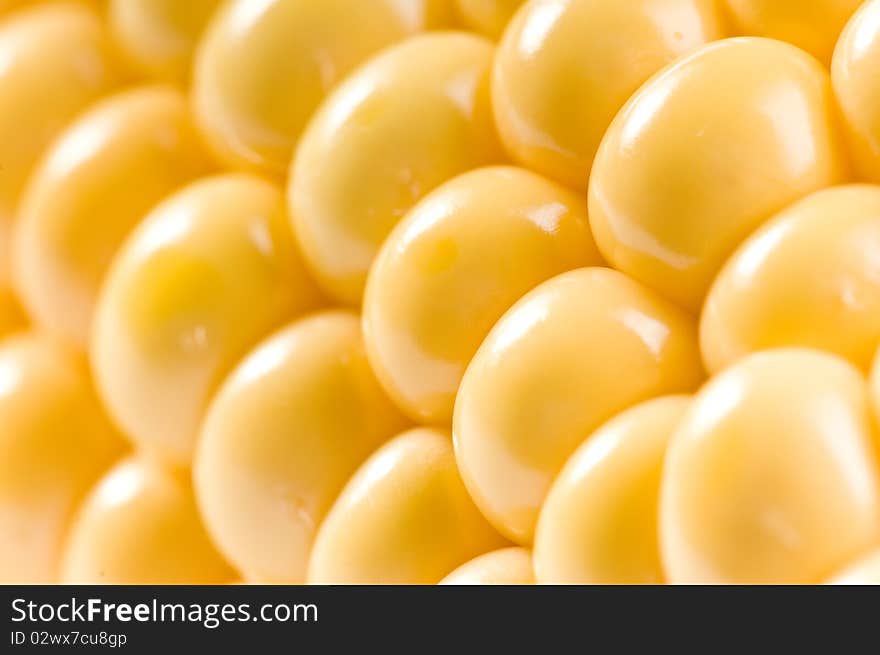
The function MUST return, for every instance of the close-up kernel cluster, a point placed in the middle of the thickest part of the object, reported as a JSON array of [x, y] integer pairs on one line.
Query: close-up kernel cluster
[[439, 291]]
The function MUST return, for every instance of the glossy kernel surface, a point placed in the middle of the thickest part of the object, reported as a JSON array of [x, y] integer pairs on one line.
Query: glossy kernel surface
[[459, 292], [55, 441], [404, 518], [139, 525], [598, 524], [507, 566], [864, 571], [453, 266], [289, 427], [57, 60], [808, 277], [158, 37], [571, 354], [264, 66], [704, 153], [813, 25], [412, 118], [96, 183], [855, 71], [210, 272], [772, 477], [565, 67], [488, 17]]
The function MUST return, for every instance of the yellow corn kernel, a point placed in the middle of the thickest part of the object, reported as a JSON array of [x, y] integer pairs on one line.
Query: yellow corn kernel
[[599, 522], [56, 61], [139, 525], [565, 67], [704, 153], [409, 120], [208, 274], [94, 186], [404, 518], [507, 566], [158, 37], [570, 355], [453, 266], [855, 71], [263, 66], [771, 476], [488, 17], [54, 443], [809, 277], [864, 571], [812, 25], [287, 430]]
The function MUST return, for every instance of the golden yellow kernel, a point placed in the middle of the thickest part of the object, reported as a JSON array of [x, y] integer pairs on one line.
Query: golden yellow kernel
[[508, 566], [282, 437], [139, 525], [598, 524], [704, 153], [855, 71], [208, 273], [404, 518], [771, 476], [409, 120], [488, 17], [864, 571], [808, 277], [565, 67], [54, 443], [56, 61], [453, 266], [95, 185], [813, 25], [264, 66], [158, 37], [570, 355]]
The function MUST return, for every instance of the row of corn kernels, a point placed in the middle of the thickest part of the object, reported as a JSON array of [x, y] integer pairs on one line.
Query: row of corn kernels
[[147, 226]]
